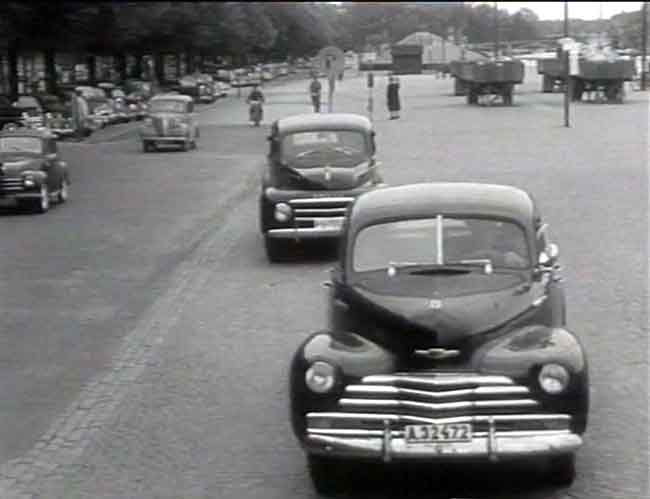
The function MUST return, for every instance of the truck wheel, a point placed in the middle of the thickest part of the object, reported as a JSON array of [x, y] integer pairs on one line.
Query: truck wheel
[[562, 470], [327, 475], [146, 146], [547, 84], [276, 249], [472, 96]]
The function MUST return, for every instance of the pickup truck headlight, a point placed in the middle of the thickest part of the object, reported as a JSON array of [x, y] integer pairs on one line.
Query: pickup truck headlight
[[320, 377], [29, 181], [148, 122], [283, 212], [553, 378]]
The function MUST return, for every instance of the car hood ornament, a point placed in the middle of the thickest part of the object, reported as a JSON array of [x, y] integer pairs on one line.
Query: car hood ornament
[[328, 174]]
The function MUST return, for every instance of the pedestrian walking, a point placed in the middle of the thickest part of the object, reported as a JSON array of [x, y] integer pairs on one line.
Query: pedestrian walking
[[315, 91], [392, 97]]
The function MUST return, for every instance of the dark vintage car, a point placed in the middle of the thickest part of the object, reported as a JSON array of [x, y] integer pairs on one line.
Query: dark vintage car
[[171, 121], [317, 165], [31, 171], [10, 116], [447, 338]]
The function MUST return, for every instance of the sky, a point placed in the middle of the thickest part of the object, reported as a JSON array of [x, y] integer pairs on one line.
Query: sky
[[577, 10]]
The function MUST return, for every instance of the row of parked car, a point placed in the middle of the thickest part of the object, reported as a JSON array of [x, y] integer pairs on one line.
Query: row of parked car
[[107, 104], [255, 75]]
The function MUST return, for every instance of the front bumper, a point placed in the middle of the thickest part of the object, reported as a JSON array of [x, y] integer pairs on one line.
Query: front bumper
[[173, 139], [388, 444], [304, 233]]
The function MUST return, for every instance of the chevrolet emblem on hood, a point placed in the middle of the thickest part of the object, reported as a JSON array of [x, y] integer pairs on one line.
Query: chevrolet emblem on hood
[[435, 304], [437, 353], [328, 174]]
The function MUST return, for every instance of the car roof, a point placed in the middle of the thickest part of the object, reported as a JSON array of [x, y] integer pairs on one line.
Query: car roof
[[27, 132], [177, 97], [327, 121], [446, 198]]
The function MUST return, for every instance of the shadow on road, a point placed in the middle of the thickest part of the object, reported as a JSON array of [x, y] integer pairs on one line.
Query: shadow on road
[[505, 481]]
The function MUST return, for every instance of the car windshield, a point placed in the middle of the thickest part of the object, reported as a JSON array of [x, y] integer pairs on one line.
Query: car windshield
[[340, 147], [464, 240], [27, 102], [20, 144], [167, 106]]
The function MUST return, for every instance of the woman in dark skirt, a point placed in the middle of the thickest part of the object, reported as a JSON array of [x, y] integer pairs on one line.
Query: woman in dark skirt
[[392, 96]]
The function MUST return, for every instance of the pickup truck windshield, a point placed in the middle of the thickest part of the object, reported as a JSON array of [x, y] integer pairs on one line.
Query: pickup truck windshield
[[336, 147], [463, 240]]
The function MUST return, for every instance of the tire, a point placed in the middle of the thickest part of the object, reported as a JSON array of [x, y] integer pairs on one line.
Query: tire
[[64, 191], [547, 84], [562, 470], [184, 146], [42, 204], [276, 249], [328, 476], [146, 146]]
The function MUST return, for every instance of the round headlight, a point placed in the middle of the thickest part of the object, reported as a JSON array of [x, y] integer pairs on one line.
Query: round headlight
[[28, 181], [320, 377], [283, 212], [553, 378]]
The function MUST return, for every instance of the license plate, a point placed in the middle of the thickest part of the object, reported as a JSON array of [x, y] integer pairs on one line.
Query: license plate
[[428, 433], [328, 223]]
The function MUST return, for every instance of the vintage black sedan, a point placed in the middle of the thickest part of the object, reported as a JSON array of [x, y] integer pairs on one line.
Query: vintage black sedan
[[317, 165], [447, 338], [31, 171]]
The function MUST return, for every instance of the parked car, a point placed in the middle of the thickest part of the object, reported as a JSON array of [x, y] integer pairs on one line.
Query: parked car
[[31, 111], [100, 108], [317, 165], [222, 89], [447, 338], [142, 88], [171, 120], [10, 117], [58, 115], [31, 170]]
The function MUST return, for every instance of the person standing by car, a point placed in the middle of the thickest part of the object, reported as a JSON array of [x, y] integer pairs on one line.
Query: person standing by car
[[79, 113], [315, 91], [392, 97]]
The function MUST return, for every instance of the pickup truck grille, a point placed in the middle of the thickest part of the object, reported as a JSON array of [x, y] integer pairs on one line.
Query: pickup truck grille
[[10, 185], [434, 398], [307, 210]]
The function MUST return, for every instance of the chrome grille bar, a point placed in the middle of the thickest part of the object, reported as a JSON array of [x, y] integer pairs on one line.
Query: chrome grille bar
[[388, 404], [483, 391], [437, 381], [320, 201]]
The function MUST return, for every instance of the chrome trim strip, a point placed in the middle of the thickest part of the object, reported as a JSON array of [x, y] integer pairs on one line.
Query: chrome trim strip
[[324, 211], [324, 200], [438, 381], [439, 253], [393, 390], [445, 406], [363, 433], [313, 417]]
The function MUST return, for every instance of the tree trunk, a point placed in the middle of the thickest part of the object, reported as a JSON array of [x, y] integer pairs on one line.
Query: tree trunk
[[159, 67], [120, 61], [189, 58], [92, 70], [137, 67], [12, 58], [51, 82]]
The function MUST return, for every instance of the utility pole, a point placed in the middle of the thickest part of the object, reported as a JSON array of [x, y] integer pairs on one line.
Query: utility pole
[[567, 75], [496, 30], [644, 45]]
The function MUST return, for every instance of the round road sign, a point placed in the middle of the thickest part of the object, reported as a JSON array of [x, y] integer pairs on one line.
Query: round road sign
[[332, 61]]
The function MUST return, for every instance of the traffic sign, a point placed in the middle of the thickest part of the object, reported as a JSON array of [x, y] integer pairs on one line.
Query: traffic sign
[[332, 61]]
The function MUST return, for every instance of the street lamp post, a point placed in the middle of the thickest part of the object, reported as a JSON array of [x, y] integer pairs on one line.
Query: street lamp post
[[644, 45], [567, 76], [496, 30]]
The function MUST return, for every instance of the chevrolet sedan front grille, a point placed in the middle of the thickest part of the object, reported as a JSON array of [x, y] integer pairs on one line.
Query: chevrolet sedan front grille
[[436, 398]]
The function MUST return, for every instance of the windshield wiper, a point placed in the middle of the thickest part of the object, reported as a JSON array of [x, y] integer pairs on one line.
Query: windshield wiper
[[415, 268], [305, 153], [460, 267]]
